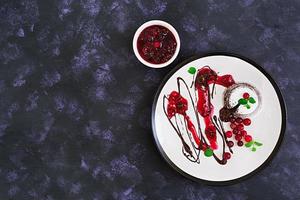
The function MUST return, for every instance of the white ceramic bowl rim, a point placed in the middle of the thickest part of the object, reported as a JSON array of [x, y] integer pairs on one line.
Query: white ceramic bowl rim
[[151, 23]]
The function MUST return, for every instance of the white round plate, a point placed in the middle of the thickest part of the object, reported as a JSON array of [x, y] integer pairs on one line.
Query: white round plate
[[267, 127]]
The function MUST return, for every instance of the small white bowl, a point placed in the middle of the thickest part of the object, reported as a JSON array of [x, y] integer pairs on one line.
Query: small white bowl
[[151, 23]]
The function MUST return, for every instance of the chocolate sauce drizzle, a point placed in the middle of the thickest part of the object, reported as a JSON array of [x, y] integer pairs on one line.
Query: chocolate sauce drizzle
[[186, 149], [185, 146]]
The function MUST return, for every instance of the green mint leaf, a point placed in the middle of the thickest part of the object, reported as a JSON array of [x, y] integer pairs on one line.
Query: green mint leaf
[[208, 152], [192, 70], [253, 149], [242, 101], [258, 143], [252, 100], [249, 144], [248, 106]]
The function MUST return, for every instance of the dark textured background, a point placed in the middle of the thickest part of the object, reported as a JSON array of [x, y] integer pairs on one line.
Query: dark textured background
[[75, 103]]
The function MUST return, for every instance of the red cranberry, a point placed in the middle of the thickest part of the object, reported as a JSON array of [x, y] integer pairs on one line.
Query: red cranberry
[[239, 120], [247, 122], [227, 155], [240, 127], [243, 133], [240, 143], [248, 138], [228, 134], [232, 120], [246, 95], [157, 44], [238, 137], [232, 125], [235, 131], [230, 143]]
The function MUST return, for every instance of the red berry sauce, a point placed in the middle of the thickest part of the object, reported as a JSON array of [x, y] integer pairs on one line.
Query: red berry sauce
[[156, 44]]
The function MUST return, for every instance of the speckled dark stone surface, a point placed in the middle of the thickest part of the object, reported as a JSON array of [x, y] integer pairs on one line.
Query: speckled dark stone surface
[[75, 103]]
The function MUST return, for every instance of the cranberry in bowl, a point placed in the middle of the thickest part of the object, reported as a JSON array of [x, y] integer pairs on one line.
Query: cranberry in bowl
[[156, 44]]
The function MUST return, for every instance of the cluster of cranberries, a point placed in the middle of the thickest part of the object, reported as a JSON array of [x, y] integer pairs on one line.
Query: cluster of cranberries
[[237, 124], [177, 104], [238, 132], [156, 44]]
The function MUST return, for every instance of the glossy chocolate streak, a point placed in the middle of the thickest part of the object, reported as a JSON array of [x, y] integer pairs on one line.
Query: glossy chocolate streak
[[223, 141], [178, 106], [196, 149], [177, 130], [186, 149], [194, 107]]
